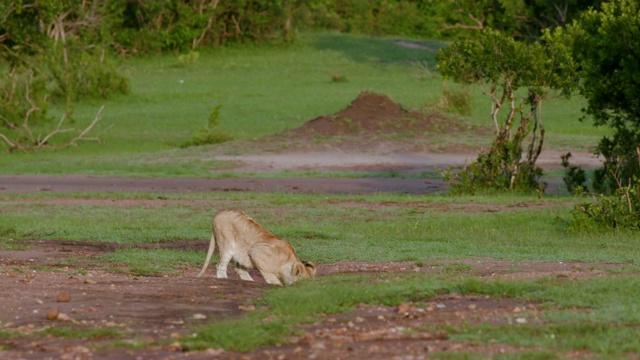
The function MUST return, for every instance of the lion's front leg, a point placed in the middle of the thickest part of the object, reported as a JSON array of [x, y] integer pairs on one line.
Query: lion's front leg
[[244, 274], [271, 279]]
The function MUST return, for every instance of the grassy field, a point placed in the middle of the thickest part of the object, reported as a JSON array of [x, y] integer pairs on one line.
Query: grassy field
[[424, 230], [266, 90], [405, 228], [262, 90]]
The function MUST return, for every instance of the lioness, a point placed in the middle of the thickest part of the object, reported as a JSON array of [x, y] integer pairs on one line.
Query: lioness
[[251, 246]]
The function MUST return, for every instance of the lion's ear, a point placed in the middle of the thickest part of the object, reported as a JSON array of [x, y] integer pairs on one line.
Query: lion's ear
[[311, 267], [297, 269]]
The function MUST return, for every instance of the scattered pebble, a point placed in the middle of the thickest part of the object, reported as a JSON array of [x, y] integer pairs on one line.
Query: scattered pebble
[[63, 297], [53, 314]]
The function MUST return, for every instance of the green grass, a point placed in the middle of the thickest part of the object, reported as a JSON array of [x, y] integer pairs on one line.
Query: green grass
[[262, 90], [602, 331], [150, 262], [77, 332], [600, 316], [335, 228]]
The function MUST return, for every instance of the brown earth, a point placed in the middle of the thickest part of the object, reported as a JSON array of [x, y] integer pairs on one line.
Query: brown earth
[[372, 134]]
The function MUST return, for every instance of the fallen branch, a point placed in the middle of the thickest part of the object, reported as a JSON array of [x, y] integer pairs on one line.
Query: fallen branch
[[44, 142]]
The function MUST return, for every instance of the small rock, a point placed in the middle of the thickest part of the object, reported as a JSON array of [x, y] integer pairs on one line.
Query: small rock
[[471, 307], [199, 316], [517, 309], [359, 319], [521, 320], [64, 317], [214, 352], [441, 306], [13, 274], [403, 308], [318, 345], [174, 346], [350, 324], [63, 297], [53, 314]]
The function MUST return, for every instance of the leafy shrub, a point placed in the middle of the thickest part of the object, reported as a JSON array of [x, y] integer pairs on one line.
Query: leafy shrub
[[189, 58], [575, 177], [491, 172], [456, 100], [210, 134], [620, 210], [79, 71], [23, 94]]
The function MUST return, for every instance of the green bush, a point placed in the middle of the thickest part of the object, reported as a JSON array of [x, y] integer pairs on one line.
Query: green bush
[[76, 71], [456, 100], [575, 177], [620, 210], [491, 173]]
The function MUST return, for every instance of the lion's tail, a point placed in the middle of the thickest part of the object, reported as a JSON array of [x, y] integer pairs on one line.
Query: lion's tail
[[212, 247]]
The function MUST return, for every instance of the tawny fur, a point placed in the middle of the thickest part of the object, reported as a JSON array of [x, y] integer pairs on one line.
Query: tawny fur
[[242, 240]]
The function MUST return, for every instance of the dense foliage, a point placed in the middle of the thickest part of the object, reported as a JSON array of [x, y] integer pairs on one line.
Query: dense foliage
[[606, 46], [442, 19]]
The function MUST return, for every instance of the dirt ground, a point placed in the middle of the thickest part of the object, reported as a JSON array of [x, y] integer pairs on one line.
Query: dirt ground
[[58, 280], [59, 277]]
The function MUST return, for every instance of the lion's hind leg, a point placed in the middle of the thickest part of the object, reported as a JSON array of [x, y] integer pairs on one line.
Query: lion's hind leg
[[221, 269]]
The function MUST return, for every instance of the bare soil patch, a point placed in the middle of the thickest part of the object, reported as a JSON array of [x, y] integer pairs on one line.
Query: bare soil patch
[[161, 312]]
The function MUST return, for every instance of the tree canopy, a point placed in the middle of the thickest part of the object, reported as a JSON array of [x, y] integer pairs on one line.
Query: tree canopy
[[501, 66], [607, 47]]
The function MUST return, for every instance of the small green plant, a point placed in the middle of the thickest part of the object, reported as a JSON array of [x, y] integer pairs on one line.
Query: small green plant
[[210, 134], [620, 210], [189, 58], [456, 100], [338, 78]]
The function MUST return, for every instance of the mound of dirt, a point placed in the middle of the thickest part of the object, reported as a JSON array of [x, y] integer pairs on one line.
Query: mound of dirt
[[372, 113]]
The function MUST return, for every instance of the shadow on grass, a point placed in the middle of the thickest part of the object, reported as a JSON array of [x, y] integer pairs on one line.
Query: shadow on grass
[[383, 51]]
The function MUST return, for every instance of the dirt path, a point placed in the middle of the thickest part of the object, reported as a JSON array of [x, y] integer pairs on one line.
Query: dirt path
[[277, 162], [79, 183]]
